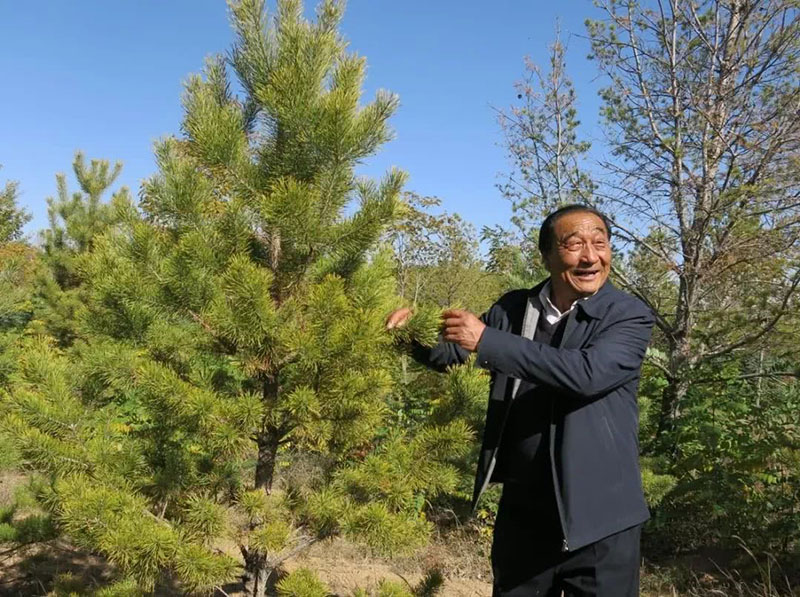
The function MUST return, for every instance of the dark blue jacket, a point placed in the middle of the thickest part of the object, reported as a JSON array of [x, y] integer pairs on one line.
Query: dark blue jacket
[[593, 377]]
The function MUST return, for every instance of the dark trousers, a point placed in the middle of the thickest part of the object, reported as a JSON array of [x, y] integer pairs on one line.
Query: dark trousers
[[527, 556]]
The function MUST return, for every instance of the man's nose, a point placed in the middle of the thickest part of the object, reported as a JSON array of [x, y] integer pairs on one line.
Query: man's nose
[[588, 253]]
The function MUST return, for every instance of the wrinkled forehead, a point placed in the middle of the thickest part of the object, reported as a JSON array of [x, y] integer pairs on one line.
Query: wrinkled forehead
[[579, 223]]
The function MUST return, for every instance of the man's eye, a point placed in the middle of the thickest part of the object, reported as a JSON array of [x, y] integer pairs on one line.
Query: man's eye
[[600, 244]]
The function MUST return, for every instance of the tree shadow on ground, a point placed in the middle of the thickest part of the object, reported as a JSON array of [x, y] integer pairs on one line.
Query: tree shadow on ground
[[32, 570], [39, 569]]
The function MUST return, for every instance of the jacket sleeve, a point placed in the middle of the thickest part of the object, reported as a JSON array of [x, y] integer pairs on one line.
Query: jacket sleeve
[[445, 354], [612, 358]]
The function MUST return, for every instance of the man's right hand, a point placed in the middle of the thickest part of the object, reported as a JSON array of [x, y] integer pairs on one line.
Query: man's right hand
[[398, 318]]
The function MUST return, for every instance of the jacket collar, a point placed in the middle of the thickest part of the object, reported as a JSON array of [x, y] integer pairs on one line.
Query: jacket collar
[[595, 306]]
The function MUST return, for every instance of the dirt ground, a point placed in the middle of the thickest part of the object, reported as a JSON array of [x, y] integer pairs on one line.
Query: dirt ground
[[30, 571], [345, 567], [461, 556], [342, 566]]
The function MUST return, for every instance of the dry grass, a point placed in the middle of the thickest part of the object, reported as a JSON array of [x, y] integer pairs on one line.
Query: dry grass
[[345, 567], [702, 576]]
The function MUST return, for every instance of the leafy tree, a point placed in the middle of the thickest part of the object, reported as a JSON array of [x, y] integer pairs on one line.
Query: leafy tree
[[17, 268], [738, 471], [437, 257], [230, 383], [547, 167], [16, 264], [12, 218], [703, 188], [516, 262]]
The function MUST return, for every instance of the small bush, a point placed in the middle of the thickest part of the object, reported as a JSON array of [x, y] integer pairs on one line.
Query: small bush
[[302, 583]]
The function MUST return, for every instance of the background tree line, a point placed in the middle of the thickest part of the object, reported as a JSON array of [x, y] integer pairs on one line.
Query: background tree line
[[207, 366]]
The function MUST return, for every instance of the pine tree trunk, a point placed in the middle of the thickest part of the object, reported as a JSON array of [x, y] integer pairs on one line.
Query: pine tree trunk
[[259, 576], [673, 395], [671, 398], [268, 439], [267, 442]]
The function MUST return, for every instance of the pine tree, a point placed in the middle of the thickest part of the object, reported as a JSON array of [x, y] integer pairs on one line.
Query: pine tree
[[76, 220], [700, 109], [548, 171], [231, 382], [541, 136]]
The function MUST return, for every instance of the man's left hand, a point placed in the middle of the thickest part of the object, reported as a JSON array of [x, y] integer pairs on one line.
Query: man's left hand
[[463, 328]]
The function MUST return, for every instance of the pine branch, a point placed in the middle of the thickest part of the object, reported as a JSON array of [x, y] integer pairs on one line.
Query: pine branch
[[766, 328], [662, 323], [767, 374]]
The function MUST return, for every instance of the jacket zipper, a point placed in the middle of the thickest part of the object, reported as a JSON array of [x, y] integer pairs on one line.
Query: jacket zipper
[[556, 490]]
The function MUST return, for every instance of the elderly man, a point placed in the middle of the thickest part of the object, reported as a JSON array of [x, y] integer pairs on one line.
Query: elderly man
[[561, 428]]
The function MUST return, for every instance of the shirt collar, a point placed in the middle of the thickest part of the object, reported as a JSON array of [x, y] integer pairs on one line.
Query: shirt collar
[[594, 306], [551, 313]]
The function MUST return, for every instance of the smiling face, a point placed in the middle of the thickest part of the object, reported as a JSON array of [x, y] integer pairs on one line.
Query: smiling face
[[580, 260]]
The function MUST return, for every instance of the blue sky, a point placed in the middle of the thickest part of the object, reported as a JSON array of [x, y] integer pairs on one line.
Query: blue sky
[[106, 78]]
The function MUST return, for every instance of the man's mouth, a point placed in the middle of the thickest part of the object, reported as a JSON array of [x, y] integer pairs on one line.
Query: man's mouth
[[586, 275]]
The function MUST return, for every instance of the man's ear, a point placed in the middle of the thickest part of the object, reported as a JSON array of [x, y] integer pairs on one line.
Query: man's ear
[[546, 262]]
